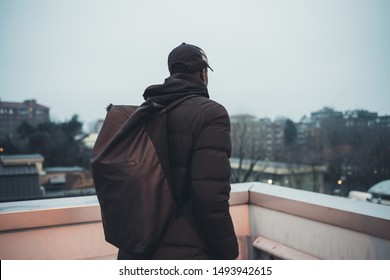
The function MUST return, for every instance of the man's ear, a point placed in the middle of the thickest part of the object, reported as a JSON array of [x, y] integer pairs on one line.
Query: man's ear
[[201, 75]]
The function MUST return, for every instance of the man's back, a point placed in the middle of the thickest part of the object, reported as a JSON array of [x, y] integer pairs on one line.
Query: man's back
[[199, 150]]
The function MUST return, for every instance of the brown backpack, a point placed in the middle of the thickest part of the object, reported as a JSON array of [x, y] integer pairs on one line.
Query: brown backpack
[[131, 174]]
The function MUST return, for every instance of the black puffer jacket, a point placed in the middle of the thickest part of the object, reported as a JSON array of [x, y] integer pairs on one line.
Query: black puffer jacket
[[199, 149]]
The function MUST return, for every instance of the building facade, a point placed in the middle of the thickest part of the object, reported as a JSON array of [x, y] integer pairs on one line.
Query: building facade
[[13, 114]]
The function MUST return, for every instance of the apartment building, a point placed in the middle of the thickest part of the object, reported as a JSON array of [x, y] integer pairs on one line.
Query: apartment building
[[13, 114]]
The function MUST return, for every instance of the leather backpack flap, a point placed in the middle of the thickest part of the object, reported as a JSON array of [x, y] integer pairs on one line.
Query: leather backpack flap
[[116, 116]]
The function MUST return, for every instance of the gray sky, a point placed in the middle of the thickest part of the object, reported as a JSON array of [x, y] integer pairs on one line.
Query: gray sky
[[270, 57]]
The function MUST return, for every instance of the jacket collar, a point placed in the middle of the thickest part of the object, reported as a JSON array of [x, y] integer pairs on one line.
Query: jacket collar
[[175, 86]]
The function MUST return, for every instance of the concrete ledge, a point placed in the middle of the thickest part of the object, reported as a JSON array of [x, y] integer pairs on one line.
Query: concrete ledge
[[279, 250], [360, 216], [48, 212], [240, 193]]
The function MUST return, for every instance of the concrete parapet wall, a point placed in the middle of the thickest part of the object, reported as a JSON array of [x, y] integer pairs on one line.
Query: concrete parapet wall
[[317, 225]]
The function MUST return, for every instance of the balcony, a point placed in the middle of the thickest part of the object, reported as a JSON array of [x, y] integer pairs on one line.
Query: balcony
[[271, 222]]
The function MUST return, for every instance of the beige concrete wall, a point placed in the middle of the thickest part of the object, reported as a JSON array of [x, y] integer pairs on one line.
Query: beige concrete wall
[[319, 239], [72, 233], [240, 217], [67, 242], [56, 233]]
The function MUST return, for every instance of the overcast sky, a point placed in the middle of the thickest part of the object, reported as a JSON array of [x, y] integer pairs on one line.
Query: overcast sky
[[270, 57]]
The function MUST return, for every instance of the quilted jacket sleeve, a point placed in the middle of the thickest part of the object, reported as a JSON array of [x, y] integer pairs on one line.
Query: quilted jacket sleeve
[[211, 185]]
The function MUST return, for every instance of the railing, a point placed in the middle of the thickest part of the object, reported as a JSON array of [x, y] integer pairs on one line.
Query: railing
[[271, 222]]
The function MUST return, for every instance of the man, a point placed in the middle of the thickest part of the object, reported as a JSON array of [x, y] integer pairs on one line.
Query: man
[[199, 150]]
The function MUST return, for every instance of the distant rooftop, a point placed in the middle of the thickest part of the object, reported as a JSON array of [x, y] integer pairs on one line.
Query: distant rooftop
[[24, 104], [21, 159], [18, 170], [63, 169]]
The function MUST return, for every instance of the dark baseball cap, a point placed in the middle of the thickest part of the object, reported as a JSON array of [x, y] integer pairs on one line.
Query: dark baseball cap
[[191, 58]]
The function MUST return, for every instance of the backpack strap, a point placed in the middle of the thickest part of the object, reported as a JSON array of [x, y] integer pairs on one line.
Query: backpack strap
[[160, 142]]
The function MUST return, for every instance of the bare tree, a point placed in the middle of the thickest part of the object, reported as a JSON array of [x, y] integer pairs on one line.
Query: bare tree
[[247, 146]]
